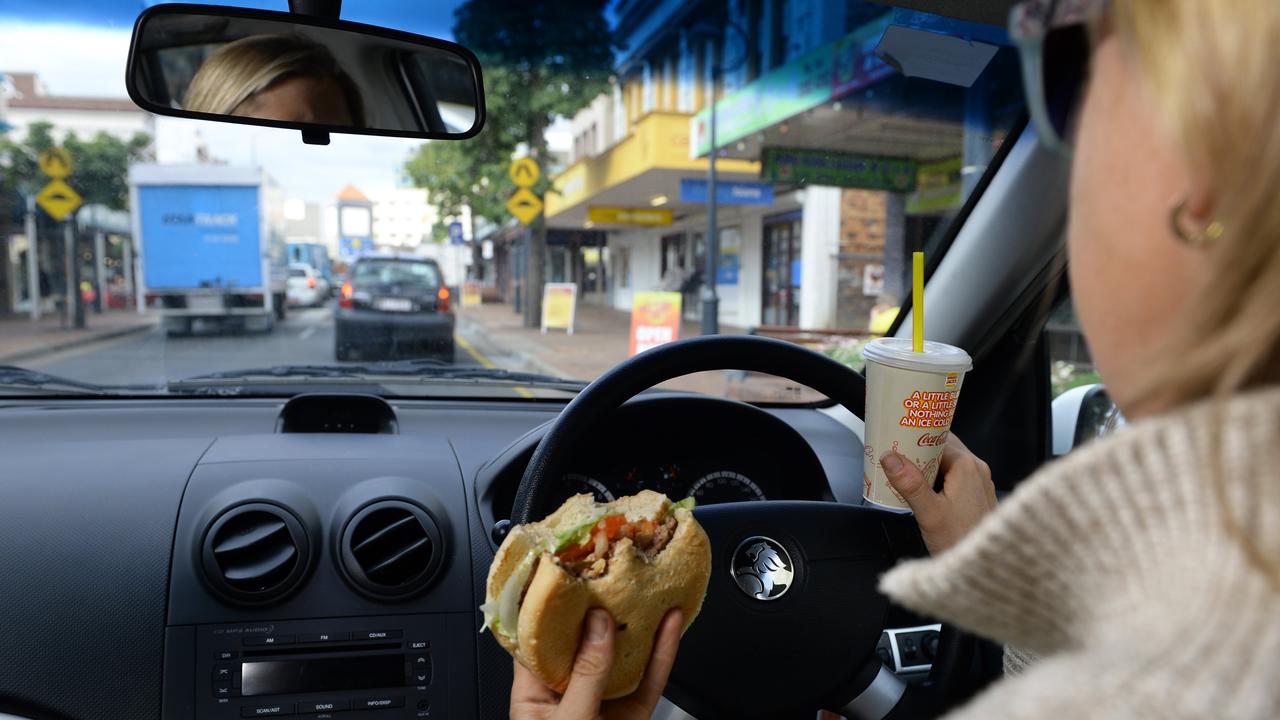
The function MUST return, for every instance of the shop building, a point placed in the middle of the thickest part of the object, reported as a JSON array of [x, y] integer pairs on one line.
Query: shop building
[[833, 164]]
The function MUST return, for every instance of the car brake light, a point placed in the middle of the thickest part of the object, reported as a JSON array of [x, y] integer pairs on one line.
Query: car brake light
[[311, 282], [442, 300], [345, 300]]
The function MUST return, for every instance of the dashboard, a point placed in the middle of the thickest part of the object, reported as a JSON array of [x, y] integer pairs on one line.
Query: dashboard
[[712, 450], [235, 557]]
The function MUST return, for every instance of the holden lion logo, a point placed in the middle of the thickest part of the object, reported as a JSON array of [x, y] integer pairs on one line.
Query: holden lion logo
[[762, 568]]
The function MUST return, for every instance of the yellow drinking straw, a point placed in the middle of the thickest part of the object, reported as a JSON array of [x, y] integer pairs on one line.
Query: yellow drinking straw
[[917, 301]]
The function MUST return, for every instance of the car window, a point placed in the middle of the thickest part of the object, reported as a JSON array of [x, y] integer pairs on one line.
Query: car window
[[297, 273], [574, 231], [1070, 364], [390, 272]]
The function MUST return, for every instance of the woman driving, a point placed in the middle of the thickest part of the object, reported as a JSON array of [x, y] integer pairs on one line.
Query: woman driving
[[276, 77], [1139, 576]]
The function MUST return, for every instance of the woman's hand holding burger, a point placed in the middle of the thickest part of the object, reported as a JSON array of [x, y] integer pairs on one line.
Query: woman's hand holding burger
[[583, 698]]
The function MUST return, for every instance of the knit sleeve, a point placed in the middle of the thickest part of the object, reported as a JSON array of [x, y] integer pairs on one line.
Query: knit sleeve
[[1017, 661]]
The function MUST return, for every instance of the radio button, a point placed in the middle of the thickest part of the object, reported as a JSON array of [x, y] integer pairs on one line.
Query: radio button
[[378, 703], [324, 637], [420, 645], [419, 670], [377, 635], [222, 673], [226, 655], [259, 640], [251, 711], [326, 706], [224, 690]]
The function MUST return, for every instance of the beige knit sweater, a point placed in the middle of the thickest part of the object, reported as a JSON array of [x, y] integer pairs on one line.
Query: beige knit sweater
[[1112, 567]]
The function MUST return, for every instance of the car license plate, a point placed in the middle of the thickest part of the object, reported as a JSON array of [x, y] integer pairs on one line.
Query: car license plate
[[204, 303], [393, 304]]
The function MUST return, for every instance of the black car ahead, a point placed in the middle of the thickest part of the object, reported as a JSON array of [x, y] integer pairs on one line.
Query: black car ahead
[[392, 305]]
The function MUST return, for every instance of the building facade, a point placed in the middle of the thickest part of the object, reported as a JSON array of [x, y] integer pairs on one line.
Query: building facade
[[840, 148]]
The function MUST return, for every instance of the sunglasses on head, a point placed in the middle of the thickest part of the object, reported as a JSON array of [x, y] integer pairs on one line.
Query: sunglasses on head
[[1053, 40]]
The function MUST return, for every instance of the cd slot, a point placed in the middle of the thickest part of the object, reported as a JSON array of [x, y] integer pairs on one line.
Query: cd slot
[[320, 649]]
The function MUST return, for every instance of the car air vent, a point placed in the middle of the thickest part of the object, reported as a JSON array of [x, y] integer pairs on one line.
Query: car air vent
[[255, 554], [391, 549], [337, 413]]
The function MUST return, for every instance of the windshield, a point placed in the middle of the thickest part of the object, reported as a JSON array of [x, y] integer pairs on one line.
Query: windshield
[[648, 172]]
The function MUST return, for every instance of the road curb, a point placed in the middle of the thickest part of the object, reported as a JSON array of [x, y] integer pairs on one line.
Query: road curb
[[536, 365], [59, 346]]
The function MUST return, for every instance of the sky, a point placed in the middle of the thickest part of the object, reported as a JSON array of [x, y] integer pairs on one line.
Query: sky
[[88, 59]]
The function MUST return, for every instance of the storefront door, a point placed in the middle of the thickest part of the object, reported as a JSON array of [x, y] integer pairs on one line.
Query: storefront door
[[780, 289]]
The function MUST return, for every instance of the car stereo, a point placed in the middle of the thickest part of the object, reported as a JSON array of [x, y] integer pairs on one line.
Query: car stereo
[[346, 668]]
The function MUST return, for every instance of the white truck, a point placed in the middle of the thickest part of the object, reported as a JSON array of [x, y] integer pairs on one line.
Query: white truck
[[211, 245]]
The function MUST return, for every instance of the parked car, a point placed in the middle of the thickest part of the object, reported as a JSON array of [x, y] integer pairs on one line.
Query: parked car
[[390, 304], [307, 287]]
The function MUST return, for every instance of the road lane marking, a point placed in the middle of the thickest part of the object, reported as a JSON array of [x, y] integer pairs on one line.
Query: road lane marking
[[308, 332], [485, 362]]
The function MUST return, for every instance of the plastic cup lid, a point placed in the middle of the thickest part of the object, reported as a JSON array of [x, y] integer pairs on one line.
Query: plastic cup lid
[[937, 357]]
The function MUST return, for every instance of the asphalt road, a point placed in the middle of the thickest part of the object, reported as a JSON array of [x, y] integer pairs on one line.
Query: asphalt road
[[306, 337]]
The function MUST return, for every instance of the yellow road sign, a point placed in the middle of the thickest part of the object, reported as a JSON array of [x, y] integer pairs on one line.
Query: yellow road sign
[[55, 162], [58, 199], [524, 205], [524, 172], [629, 216]]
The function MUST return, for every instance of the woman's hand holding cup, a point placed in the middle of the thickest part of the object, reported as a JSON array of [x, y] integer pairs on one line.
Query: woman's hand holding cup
[[967, 495]]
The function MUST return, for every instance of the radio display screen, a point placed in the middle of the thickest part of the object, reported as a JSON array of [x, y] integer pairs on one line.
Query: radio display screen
[[281, 677]]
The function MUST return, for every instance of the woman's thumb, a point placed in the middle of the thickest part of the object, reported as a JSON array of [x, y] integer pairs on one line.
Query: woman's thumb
[[907, 479]]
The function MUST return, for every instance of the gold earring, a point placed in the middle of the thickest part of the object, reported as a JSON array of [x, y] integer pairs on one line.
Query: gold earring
[[1203, 238]]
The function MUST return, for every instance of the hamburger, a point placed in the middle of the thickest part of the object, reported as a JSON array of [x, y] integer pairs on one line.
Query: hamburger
[[637, 557]]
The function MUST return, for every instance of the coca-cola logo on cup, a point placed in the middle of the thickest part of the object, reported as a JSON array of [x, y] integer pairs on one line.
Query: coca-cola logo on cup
[[928, 440]]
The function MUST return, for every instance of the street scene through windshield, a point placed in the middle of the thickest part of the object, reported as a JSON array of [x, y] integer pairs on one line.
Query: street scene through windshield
[[647, 172]]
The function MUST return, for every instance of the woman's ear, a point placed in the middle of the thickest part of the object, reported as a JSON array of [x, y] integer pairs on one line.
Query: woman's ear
[[1197, 204]]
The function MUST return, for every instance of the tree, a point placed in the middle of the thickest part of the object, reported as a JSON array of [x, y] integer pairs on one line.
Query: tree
[[101, 173], [541, 59]]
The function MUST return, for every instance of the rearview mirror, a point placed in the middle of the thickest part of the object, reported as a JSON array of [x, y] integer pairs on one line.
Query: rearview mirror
[[259, 67]]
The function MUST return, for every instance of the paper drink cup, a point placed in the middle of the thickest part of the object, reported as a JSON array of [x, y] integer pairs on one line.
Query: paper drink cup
[[911, 399]]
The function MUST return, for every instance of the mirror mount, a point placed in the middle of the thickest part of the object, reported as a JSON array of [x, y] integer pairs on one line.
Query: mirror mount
[[330, 9], [315, 137]]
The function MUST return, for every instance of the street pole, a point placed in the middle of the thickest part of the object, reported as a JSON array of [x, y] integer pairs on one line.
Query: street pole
[[711, 303], [127, 245], [100, 270], [33, 259], [75, 309]]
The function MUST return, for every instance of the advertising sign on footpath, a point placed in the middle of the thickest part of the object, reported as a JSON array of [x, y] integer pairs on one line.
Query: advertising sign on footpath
[[558, 306], [655, 320], [471, 293]]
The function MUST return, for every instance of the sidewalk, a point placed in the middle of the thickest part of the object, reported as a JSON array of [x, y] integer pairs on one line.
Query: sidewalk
[[22, 339], [600, 340]]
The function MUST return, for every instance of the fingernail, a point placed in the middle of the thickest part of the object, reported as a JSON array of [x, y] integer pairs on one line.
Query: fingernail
[[597, 626], [891, 463]]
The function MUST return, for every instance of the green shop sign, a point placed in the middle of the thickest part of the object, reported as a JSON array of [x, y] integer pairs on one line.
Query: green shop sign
[[822, 74], [824, 167]]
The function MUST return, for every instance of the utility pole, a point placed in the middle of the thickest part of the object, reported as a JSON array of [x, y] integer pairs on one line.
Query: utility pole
[[710, 302], [100, 270], [75, 308], [33, 258]]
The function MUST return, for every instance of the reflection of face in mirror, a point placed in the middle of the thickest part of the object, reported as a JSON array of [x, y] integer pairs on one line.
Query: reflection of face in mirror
[[276, 77]]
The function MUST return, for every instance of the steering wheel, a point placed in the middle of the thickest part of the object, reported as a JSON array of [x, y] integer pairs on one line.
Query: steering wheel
[[792, 614]]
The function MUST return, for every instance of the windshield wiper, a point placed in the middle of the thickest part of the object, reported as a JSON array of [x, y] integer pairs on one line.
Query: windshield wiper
[[397, 371], [14, 377]]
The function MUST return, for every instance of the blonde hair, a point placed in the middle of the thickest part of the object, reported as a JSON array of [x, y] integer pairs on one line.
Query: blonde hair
[[241, 69], [1212, 68]]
